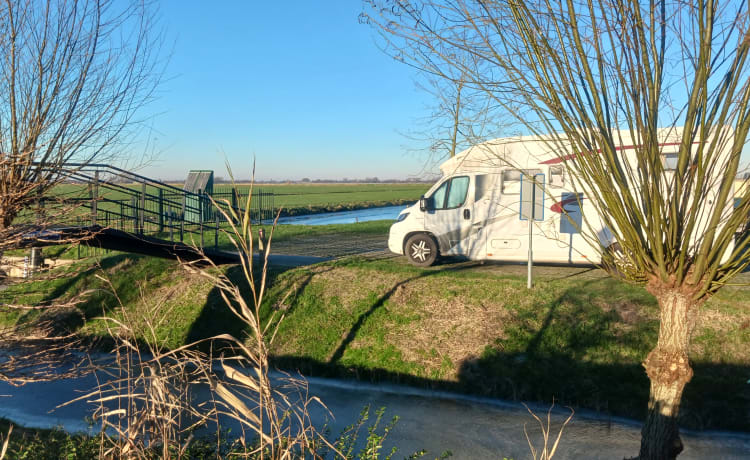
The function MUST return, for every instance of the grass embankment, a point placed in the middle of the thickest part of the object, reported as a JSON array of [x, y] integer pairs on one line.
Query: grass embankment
[[282, 234], [287, 233], [468, 327], [477, 329], [56, 444]]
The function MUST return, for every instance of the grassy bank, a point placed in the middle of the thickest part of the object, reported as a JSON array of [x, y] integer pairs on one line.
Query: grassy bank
[[56, 444], [474, 328], [578, 336]]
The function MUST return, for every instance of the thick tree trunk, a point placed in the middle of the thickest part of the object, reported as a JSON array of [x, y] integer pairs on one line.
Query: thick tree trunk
[[7, 213], [669, 371]]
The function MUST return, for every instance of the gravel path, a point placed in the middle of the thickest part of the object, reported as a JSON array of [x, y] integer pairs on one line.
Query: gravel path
[[333, 245]]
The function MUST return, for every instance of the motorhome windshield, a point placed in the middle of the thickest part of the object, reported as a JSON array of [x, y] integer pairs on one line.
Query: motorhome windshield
[[450, 194]]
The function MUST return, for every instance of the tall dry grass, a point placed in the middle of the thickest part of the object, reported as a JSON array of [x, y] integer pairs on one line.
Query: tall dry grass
[[145, 396], [6, 440], [548, 449]]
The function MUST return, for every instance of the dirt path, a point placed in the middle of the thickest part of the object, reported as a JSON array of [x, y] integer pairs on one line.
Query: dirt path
[[333, 245]]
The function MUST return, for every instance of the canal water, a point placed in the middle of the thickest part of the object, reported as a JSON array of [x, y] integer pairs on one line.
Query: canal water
[[345, 217], [470, 427]]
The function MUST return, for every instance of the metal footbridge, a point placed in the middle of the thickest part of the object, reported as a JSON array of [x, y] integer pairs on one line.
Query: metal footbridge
[[112, 208]]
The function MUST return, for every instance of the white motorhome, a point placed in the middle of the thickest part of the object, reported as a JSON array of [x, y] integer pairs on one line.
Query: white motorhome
[[474, 210]]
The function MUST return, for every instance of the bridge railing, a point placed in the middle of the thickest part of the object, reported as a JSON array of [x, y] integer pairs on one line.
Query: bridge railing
[[108, 196]]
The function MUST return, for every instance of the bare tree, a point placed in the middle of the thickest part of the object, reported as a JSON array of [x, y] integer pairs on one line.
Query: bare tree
[[73, 75], [461, 116], [593, 76]]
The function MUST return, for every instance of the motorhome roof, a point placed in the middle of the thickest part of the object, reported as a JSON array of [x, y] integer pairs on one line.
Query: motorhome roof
[[529, 152]]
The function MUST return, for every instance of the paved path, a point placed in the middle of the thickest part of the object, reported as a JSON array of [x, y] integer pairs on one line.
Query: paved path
[[471, 428]]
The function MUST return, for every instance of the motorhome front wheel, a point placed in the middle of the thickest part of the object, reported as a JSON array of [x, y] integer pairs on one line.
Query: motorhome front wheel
[[421, 250]]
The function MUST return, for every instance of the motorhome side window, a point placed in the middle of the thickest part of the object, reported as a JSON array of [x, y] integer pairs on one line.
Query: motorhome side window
[[512, 182], [485, 185], [451, 193], [670, 161], [556, 177]]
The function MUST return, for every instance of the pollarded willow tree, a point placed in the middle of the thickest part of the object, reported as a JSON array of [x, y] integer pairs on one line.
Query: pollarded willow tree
[[586, 72], [73, 75]]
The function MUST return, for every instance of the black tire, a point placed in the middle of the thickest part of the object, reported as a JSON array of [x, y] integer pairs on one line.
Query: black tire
[[421, 250]]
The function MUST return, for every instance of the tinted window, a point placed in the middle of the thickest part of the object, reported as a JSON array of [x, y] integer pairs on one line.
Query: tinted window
[[438, 198], [670, 161], [457, 194]]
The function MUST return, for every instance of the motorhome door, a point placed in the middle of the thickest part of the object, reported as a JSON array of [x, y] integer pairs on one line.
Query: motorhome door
[[506, 235], [449, 215]]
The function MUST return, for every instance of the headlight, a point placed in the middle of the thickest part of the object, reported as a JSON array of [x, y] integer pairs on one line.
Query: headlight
[[402, 216]]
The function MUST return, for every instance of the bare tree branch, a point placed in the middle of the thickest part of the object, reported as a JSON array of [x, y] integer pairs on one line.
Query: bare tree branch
[[73, 77]]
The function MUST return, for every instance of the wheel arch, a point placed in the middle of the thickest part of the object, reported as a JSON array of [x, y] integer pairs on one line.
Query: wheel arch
[[419, 232]]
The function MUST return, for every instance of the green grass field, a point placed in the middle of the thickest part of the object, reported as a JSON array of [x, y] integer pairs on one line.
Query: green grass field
[[293, 198]]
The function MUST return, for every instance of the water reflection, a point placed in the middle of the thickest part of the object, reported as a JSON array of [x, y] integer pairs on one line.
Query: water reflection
[[344, 217]]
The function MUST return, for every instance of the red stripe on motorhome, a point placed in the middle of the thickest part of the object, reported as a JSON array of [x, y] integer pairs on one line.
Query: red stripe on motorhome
[[624, 147], [560, 205]]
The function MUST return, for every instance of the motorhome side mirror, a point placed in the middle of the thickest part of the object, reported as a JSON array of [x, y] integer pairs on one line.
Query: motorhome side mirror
[[422, 203]]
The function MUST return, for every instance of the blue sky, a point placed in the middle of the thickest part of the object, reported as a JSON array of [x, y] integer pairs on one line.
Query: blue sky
[[301, 85]]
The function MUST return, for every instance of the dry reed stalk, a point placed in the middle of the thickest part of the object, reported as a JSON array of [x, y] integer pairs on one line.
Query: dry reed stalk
[[5, 443], [547, 451], [37, 353], [144, 396], [275, 412]]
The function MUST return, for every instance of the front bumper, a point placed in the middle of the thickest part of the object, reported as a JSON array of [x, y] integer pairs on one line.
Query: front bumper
[[396, 239]]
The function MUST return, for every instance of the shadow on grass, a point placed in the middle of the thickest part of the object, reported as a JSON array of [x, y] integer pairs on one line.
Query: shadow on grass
[[569, 350], [610, 390], [216, 318], [98, 301], [362, 318]]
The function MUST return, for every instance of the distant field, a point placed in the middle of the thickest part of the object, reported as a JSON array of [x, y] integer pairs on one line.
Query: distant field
[[331, 195], [294, 198]]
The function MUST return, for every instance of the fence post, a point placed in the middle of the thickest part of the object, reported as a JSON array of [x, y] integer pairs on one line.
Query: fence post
[[134, 209], [161, 210], [234, 199], [200, 213], [143, 207], [171, 223], [39, 207], [94, 197], [182, 216], [216, 233], [122, 214]]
